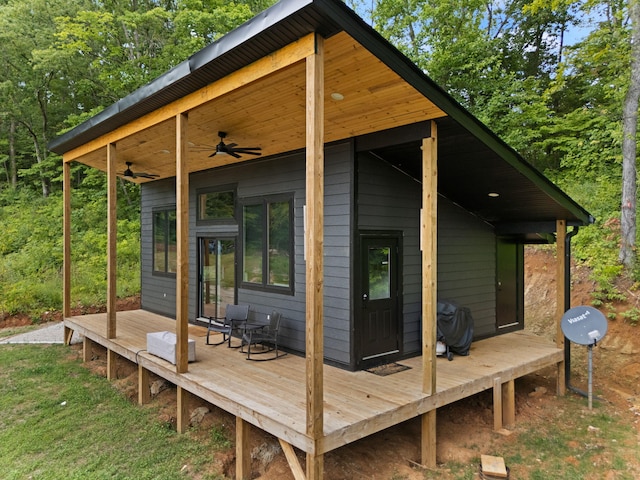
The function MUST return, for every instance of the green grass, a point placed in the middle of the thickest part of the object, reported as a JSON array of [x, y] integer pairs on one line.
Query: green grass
[[59, 421]]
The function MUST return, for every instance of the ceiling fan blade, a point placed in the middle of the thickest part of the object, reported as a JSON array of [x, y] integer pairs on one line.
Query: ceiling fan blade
[[233, 153], [147, 175], [213, 154], [231, 146], [247, 152]]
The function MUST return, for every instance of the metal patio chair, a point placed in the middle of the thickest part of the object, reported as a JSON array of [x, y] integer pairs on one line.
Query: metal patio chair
[[235, 318], [264, 335]]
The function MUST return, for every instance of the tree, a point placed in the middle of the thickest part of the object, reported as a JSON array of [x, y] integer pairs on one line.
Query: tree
[[629, 145]]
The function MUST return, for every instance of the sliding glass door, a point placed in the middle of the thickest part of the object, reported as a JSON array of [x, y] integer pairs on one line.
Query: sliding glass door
[[217, 275]]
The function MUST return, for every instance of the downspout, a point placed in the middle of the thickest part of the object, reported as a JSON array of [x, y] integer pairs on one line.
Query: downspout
[[567, 305]]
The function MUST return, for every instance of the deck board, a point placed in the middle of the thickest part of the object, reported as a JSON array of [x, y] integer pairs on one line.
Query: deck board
[[272, 395]]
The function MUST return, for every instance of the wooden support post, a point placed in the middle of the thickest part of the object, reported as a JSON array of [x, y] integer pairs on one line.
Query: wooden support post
[[509, 404], [112, 223], [182, 410], [561, 235], [428, 443], [497, 404], [243, 450], [112, 365], [314, 245], [66, 249], [182, 229], [292, 459], [144, 389], [87, 345], [429, 236]]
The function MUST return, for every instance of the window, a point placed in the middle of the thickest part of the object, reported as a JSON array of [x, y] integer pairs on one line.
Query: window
[[267, 227], [216, 206], [164, 241]]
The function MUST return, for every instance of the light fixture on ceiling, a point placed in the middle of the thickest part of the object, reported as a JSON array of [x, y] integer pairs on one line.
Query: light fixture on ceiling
[[337, 96], [493, 194]]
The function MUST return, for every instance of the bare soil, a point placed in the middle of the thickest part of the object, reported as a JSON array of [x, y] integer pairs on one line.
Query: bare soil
[[465, 428]]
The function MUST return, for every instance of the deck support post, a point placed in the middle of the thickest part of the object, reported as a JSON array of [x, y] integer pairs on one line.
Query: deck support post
[[428, 441], [112, 235], [509, 404], [144, 389], [314, 250], [497, 404], [561, 235], [243, 450], [182, 410], [182, 231], [87, 345], [112, 365], [66, 248]]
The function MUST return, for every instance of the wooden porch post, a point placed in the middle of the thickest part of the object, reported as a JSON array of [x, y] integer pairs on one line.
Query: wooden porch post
[[112, 235], [429, 235], [561, 235], [314, 245], [66, 248], [182, 231]]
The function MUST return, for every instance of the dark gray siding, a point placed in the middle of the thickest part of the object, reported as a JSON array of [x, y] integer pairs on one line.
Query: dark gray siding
[[390, 200], [256, 179]]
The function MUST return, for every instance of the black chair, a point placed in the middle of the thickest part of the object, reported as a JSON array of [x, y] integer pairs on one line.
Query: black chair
[[235, 318], [265, 335]]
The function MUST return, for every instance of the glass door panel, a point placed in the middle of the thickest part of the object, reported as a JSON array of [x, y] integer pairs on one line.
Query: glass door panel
[[217, 276]]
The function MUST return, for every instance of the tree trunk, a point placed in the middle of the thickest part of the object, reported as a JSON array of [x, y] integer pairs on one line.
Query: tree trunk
[[13, 170], [629, 131]]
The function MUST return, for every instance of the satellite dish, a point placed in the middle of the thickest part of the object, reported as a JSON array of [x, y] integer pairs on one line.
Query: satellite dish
[[584, 325]]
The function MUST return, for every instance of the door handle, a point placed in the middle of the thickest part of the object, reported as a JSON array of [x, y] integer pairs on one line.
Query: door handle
[[365, 297]]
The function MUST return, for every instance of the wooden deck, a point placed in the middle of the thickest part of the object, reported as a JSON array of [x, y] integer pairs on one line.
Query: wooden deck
[[271, 395]]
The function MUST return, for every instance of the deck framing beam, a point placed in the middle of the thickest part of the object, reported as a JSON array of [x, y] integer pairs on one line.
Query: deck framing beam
[[243, 450], [314, 245]]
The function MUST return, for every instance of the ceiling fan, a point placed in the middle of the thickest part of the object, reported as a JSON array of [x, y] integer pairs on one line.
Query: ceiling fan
[[131, 174], [232, 148]]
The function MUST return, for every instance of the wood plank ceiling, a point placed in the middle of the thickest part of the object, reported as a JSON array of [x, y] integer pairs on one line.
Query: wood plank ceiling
[[269, 113]]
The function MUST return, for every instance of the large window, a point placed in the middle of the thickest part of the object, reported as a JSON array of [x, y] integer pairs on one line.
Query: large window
[[267, 228], [164, 241]]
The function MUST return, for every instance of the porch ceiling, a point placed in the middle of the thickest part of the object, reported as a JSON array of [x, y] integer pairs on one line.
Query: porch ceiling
[[270, 113]]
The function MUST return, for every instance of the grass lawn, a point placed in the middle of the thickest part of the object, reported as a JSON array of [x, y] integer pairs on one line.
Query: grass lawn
[[60, 421]]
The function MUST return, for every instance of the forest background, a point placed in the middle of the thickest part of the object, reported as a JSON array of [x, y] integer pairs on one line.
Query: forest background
[[548, 76]]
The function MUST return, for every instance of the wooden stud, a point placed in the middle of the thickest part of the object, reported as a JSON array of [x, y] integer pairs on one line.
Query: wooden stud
[[497, 404], [243, 450], [144, 389], [292, 459], [182, 410], [182, 231], [509, 404], [314, 244], [428, 443], [112, 225], [429, 236], [561, 235], [112, 365]]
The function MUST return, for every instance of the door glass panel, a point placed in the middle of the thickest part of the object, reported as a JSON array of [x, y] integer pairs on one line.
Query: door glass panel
[[379, 278], [217, 276]]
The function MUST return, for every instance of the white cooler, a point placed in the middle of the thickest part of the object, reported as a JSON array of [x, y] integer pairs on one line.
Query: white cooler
[[163, 345]]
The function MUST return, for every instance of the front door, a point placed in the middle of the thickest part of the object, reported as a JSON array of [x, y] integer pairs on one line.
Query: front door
[[378, 328], [509, 288], [217, 276]]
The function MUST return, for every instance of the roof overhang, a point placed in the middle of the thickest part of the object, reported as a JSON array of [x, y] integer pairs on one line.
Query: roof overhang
[[251, 84]]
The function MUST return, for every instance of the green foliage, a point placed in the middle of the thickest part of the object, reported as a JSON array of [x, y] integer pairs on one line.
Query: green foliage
[[31, 252]]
